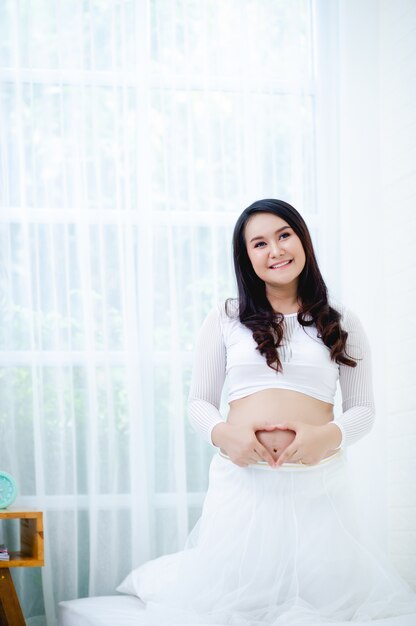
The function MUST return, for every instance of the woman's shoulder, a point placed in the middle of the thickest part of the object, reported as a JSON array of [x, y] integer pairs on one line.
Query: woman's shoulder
[[339, 306], [348, 317], [225, 309], [231, 308]]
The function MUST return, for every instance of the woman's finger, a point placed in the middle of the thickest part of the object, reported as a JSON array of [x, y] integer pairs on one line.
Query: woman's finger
[[287, 456], [260, 456], [265, 455]]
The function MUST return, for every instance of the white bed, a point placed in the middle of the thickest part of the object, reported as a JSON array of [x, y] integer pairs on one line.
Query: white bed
[[125, 610], [101, 611]]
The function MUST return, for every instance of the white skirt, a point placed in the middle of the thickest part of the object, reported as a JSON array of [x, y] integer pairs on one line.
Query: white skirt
[[274, 547]]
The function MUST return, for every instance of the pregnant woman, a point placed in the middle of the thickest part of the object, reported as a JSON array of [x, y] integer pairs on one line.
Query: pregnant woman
[[278, 541]]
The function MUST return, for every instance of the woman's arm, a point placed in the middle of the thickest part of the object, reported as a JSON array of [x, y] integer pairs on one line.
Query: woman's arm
[[208, 376], [358, 411]]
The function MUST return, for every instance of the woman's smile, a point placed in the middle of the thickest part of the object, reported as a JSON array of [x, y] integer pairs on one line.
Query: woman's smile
[[281, 265]]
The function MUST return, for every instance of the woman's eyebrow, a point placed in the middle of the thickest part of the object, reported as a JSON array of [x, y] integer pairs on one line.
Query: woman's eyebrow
[[277, 231]]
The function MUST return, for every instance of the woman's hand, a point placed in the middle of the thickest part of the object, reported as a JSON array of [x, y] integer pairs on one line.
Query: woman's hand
[[241, 444], [310, 444], [275, 441]]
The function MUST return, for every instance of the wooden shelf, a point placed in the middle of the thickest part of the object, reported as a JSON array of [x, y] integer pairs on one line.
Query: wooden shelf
[[30, 554], [13, 512], [31, 551], [19, 559]]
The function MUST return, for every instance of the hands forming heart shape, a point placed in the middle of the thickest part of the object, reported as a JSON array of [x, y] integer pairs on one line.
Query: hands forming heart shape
[[275, 441], [290, 442]]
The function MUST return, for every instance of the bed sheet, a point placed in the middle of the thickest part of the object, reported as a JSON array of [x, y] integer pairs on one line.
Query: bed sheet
[[118, 610], [124, 610]]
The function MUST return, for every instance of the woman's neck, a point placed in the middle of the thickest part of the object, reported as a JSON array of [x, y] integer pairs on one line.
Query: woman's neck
[[283, 302]]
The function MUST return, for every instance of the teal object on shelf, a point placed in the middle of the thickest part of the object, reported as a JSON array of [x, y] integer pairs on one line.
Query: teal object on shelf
[[8, 490]]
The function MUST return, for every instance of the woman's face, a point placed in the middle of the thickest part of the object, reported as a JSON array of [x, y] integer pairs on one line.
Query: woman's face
[[274, 249]]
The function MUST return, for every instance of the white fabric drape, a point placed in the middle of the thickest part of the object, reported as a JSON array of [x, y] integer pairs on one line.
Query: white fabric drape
[[132, 135]]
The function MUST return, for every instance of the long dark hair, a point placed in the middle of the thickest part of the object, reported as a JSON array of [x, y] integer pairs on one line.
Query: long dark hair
[[255, 310]]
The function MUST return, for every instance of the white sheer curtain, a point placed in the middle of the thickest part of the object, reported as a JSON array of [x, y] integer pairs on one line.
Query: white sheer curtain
[[133, 132]]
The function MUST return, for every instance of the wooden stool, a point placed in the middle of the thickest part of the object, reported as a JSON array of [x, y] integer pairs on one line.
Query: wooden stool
[[30, 555]]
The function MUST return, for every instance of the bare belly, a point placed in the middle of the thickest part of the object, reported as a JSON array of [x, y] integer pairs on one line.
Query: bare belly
[[277, 406]]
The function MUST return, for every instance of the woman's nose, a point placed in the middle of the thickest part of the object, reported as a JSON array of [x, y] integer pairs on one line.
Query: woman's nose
[[275, 250]]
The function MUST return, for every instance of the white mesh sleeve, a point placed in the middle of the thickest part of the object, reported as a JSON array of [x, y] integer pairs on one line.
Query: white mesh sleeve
[[208, 376], [358, 411]]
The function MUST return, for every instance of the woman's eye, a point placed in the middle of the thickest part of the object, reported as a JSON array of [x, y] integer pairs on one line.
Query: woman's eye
[[263, 243]]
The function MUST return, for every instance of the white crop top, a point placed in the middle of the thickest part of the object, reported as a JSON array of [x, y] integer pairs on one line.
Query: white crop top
[[226, 351]]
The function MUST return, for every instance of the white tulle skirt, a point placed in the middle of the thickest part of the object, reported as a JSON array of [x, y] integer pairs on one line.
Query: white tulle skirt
[[274, 547]]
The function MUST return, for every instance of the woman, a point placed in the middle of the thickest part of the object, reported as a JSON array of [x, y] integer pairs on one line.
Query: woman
[[278, 541]]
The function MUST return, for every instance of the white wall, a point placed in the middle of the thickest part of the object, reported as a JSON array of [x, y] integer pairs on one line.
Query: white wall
[[377, 198], [398, 190]]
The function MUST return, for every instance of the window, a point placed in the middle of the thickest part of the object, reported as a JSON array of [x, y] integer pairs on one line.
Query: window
[[134, 133]]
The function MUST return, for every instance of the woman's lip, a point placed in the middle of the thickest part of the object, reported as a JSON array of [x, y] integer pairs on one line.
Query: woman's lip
[[282, 266]]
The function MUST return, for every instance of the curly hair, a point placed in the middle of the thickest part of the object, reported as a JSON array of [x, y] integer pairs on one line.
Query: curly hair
[[254, 309]]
